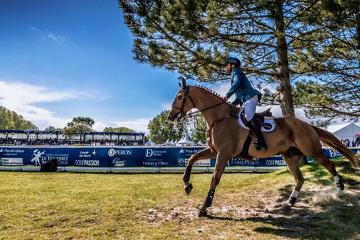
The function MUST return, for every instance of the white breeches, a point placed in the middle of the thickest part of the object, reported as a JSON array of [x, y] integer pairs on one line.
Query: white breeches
[[250, 107]]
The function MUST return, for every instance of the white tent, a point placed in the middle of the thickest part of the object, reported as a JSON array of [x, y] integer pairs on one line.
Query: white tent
[[149, 143], [345, 130], [185, 140]]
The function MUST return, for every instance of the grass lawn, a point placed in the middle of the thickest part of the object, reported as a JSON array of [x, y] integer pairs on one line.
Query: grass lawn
[[154, 206]]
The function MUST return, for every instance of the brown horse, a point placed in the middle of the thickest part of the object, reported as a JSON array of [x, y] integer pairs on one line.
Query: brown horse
[[292, 138]]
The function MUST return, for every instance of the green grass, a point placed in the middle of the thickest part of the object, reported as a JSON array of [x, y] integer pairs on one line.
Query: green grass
[[151, 206]]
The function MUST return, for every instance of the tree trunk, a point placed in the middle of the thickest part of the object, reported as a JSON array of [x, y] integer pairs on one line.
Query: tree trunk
[[358, 27], [286, 99]]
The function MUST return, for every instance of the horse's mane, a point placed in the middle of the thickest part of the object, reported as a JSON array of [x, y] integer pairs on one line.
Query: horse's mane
[[208, 90]]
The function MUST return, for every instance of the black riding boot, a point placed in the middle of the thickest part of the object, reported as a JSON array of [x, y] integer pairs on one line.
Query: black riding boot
[[260, 143]]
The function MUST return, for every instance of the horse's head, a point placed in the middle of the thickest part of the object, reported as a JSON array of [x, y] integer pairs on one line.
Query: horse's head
[[182, 103]]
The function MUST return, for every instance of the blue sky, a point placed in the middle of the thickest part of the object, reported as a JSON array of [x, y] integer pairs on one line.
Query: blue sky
[[61, 59]]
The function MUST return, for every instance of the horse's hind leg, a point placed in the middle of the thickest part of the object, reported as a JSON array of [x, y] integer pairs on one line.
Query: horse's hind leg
[[292, 158], [330, 166], [203, 154]]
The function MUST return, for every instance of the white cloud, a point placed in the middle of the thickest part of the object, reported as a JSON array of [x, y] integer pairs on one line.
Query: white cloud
[[49, 35], [99, 126], [135, 124], [22, 97]]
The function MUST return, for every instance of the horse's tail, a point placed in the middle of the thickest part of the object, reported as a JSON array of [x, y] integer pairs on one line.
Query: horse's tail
[[332, 141]]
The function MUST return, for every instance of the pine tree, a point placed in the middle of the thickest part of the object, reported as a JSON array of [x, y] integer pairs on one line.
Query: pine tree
[[331, 58], [195, 37]]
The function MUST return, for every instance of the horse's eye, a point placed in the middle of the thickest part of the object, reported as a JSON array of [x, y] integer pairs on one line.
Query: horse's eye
[[179, 97]]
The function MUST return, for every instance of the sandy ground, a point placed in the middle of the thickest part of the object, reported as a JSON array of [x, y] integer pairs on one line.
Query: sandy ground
[[312, 200]]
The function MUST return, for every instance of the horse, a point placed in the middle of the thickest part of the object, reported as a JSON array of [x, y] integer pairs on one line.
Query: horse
[[292, 138]]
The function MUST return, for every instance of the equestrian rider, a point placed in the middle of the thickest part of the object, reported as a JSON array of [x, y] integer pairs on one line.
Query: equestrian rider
[[246, 94]]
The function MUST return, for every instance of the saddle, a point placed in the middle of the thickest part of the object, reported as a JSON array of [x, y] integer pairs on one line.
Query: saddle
[[263, 119]]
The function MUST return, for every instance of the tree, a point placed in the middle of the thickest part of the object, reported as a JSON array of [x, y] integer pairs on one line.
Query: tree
[[333, 61], [319, 102], [79, 125], [161, 129], [118, 129], [199, 129], [10, 120], [50, 129], [195, 37]]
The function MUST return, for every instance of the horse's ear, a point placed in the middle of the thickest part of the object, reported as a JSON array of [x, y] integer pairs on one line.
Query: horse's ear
[[179, 84], [182, 84]]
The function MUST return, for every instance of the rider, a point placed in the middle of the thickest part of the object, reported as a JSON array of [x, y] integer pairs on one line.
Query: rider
[[246, 94]]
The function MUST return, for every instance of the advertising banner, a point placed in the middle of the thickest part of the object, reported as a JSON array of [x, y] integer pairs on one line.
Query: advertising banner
[[126, 157]]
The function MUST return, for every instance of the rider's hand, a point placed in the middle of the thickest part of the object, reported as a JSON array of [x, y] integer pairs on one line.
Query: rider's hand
[[226, 99]]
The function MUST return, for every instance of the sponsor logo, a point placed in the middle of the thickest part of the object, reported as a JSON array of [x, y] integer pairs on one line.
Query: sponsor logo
[[117, 162], [39, 157], [154, 153], [241, 162], [12, 161], [119, 152], [275, 162], [156, 163], [200, 163], [189, 151], [11, 151], [333, 153], [90, 163], [36, 156], [181, 162], [87, 154]]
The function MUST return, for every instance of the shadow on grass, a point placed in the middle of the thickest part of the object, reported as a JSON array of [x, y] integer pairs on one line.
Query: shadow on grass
[[329, 219], [337, 219]]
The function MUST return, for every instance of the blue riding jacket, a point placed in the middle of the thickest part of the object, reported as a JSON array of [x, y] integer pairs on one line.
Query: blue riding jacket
[[241, 86]]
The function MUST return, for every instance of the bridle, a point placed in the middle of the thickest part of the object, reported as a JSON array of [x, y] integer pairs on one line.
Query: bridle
[[187, 96]]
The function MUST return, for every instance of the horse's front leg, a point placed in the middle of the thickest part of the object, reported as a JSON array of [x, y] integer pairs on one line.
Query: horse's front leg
[[221, 161], [203, 154]]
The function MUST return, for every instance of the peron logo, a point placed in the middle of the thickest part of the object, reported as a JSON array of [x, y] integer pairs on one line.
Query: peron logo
[[119, 152], [111, 152]]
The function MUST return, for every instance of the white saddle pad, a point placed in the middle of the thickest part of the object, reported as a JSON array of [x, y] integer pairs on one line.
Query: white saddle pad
[[268, 126]]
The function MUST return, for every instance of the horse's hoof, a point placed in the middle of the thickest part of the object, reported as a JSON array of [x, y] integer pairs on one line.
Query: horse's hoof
[[188, 188], [292, 201], [287, 205], [340, 186], [202, 213]]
